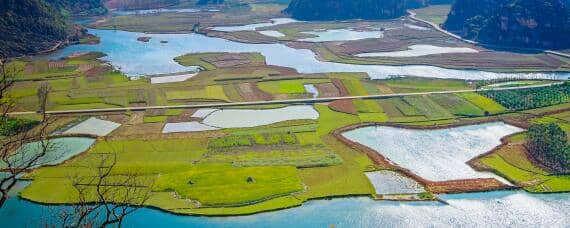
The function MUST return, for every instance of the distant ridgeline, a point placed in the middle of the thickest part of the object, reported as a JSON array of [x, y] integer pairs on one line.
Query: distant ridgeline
[[32, 26], [354, 9], [518, 23], [139, 4]]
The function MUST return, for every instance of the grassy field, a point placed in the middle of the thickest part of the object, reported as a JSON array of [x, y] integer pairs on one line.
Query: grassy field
[[513, 163], [206, 183], [484, 103]]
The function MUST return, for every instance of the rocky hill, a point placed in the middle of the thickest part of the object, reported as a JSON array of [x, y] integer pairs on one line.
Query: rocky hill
[[518, 23]]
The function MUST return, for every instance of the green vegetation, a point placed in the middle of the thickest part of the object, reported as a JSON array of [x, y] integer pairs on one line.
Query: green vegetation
[[13, 126], [34, 26], [216, 185], [415, 84], [512, 162], [531, 98], [249, 140], [548, 143], [495, 22], [457, 105], [488, 105]]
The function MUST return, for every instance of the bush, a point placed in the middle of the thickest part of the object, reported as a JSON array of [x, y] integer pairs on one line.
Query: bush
[[14, 126]]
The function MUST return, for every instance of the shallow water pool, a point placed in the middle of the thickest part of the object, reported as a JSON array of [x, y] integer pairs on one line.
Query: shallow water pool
[[436, 155]]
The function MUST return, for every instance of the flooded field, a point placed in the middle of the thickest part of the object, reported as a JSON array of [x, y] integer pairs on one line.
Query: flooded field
[[389, 182], [436, 155], [58, 150], [237, 118], [419, 50], [340, 35], [93, 126]]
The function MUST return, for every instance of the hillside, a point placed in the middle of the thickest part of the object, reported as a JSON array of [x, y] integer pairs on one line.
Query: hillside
[[350, 9], [29, 26], [519, 23], [79, 7]]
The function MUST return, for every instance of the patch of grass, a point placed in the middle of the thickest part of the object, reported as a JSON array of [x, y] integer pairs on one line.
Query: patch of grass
[[300, 157], [456, 105], [345, 179], [196, 60], [294, 86], [355, 87], [512, 162], [404, 108], [373, 117], [427, 107], [484, 103], [239, 185], [367, 106], [269, 205], [330, 120], [215, 92], [415, 84]]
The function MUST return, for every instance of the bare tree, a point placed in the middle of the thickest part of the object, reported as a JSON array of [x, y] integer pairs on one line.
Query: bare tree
[[14, 160], [105, 198]]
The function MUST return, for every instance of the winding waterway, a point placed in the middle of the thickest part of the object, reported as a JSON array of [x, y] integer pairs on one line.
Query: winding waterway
[[137, 58], [492, 209]]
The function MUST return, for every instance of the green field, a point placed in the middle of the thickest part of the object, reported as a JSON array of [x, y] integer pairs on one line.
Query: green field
[[513, 164], [484, 103], [206, 183]]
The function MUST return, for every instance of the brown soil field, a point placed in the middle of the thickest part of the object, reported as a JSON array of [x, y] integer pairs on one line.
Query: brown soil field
[[250, 92], [344, 106], [340, 87], [327, 90]]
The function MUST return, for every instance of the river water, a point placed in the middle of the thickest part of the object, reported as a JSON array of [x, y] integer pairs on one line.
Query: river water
[[492, 209], [137, 58]]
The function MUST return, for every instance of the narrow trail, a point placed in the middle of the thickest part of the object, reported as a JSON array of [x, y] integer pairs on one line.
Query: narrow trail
[[290, 101]]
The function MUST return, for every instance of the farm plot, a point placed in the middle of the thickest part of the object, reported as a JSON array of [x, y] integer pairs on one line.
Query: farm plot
[[294, 86], [241, 118], [215, 92], [484, 103], [93, 126], [457, 105], [427, 107], [204, 183]]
